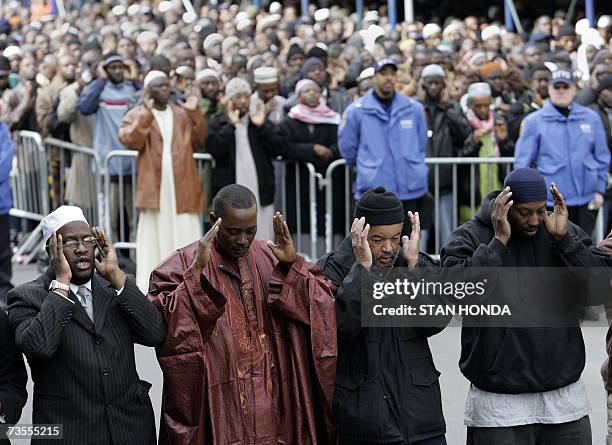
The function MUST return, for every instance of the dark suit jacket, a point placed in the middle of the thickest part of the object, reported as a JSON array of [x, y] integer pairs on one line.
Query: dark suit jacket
[[13, 375], [84, 373]]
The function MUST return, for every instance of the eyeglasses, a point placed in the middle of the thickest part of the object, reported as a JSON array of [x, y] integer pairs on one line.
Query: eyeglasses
[[90, 241]]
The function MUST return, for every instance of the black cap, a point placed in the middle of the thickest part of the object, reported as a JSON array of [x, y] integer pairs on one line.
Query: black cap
[[604, 84], [380, 208], [566, 30]]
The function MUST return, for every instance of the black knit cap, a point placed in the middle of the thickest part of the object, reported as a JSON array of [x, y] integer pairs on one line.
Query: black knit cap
[[380, 208]]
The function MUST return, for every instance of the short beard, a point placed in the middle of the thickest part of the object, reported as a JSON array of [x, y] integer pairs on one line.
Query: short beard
[[393, 259]]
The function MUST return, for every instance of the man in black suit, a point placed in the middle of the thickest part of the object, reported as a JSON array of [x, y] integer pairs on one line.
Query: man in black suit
[[13, 376], [77, 329]]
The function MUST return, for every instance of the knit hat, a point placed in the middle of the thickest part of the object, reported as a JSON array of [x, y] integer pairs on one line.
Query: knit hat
[[310, 64], [566, 31], [293, 50], [489, 68], [527, 185], [605, 83], [111, 58], [380, 208], [236, 86]]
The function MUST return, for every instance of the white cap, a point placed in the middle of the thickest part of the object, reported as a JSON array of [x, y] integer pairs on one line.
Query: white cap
[[146, 36], [432, 70], [164, 6], [228, 42], [368, 73], [133, 10], [208, 72], [12, 51], [152, 75], [265, 75], [490, 31], [59, 218], [275, 8], [321, 15], [430, 29], [605, 21], [243, 24], [119, 10], [211, 39], [371, 16], [581, 26]]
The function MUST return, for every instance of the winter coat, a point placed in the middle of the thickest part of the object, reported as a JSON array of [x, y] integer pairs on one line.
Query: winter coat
[[572, 151], [387, 388], [265, 145], [511, 360], [387, 148]]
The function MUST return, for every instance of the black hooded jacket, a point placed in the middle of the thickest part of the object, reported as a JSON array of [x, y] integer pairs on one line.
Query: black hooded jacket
[[387, 389], [521, 360]]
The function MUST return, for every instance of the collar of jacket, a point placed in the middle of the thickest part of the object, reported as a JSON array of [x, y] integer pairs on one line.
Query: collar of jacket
[[550, 113], [371, 104]]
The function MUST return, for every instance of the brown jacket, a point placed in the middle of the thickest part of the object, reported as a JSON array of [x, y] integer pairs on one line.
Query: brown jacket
[[139, 131]]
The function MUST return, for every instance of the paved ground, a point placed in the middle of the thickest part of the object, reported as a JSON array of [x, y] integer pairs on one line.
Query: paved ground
[[445, 348]]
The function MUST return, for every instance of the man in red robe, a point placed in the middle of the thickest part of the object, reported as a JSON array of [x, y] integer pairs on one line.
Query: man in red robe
[[250, 354]]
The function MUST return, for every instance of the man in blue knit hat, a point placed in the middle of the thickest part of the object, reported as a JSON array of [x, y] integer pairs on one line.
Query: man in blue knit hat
[[525, 382]]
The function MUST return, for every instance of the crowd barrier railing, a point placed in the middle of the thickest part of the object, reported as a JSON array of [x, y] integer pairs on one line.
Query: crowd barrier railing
[[332, 208], [50, 172], [29, 185], [120, 213]]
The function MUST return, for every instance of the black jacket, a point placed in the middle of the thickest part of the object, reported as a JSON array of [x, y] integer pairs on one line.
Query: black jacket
[[521, 360], [84, 372], [13, 375], [449, 132], [387, 388], [265, 145], [300, 142]]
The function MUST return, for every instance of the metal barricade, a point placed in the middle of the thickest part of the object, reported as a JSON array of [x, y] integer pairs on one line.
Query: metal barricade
[[505, 164], [29, 186], [80, 182], [117, 203], [305, 238], [119, 187], [29, 177]]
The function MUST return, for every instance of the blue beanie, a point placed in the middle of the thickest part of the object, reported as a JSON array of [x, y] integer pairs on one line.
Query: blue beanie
[[526, 185]]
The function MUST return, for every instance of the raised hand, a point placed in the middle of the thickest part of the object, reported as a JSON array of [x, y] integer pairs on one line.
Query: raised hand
[[410, 245], [284, 249], [109, 266], [58, 260], [359, 239], [190, 104], [556, 222], [233, 114], [202, 257], [259, 117], [499, 216]]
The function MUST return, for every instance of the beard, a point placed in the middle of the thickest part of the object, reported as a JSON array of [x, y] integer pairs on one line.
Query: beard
[[393, 257]]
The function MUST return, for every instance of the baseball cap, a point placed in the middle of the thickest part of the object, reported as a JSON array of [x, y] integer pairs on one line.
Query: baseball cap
[[383, 63], [561, 76]]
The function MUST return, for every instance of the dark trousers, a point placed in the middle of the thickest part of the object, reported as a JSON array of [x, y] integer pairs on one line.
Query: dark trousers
[[583, 218], [425, 206], [5, 259], [577, 432], [440, 440]]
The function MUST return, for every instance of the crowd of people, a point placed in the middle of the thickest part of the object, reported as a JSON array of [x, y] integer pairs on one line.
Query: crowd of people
[[268, 84], [257, 345]]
